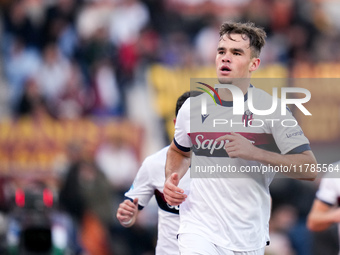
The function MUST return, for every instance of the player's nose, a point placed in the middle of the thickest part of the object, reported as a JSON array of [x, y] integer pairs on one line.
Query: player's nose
[[226, 58]]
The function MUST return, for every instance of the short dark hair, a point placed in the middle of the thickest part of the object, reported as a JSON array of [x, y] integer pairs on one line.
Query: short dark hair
[[256, 35], [185, 96]]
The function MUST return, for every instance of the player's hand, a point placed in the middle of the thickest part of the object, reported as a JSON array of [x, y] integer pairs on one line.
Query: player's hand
[[336, 215], [127, 212], [237, 146], [173, 194]]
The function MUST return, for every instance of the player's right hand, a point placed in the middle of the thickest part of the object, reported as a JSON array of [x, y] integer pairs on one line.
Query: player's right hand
[[173, 194], [127, 212]]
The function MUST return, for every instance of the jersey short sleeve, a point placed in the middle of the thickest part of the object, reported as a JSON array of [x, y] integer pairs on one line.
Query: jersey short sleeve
[[142, 186], [329, 190], [287, 133], [182, 128]]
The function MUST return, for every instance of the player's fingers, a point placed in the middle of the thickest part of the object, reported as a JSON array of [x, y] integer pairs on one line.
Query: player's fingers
[[128, 208], [169, 188], [232, 152], [121, 214], [232, 155], [128, 202], [229, 137], [229, 145], [173, 201], [169, 184], [171, 195], [230, 148], [174, 195], [172, 187], [235, 134], [122, 218], [177, 199], [224, 137], [125, 211]]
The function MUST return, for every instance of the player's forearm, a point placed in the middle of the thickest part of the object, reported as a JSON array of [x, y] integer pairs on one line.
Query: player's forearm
[[319, 221], [177, 161], [300, 165]]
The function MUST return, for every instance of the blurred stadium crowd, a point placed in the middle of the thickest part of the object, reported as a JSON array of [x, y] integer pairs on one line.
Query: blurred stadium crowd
[[91, 63]]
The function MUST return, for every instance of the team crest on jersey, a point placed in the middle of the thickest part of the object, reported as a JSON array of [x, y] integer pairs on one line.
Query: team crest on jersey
[[247, 118]]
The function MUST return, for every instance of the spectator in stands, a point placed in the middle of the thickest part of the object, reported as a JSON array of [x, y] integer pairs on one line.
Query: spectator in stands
[[53, 72], [32, 103], [21, 63]]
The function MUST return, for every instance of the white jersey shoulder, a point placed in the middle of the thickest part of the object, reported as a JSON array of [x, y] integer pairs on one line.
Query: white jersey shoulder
[[329, 189]]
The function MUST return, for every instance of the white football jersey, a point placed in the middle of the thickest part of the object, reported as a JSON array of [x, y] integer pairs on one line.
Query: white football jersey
[[149, 182], [232, 210]]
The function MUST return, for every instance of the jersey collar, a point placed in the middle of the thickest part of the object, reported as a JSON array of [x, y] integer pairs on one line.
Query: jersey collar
[[230, 103]]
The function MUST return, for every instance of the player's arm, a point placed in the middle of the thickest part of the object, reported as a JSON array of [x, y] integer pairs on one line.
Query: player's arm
[[127, 212], [139, 194], [300, 164], [322, 215], [177, 163], [238, 146]]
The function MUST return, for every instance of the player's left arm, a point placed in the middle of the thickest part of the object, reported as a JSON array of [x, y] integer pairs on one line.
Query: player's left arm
[[322, 216], [139, 193], [238, 146]]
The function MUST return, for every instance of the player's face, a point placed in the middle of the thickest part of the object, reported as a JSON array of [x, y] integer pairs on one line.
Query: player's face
[[233, 59]]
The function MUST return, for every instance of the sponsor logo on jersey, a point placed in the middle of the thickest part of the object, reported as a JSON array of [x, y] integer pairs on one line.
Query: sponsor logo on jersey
[[205, 144], [294, 134]]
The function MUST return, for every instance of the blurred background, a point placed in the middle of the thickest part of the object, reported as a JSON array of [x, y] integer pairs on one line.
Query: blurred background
[[88, 90]]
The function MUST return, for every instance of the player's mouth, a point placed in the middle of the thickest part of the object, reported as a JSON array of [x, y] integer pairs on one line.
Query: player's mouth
[[225, 70]]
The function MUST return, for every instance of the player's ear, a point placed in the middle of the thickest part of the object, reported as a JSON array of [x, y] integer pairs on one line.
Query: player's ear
[[254, 64]]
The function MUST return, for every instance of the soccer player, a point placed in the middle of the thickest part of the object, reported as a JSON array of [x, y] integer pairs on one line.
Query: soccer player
[[325, 210], [148, 182], [231, 215]]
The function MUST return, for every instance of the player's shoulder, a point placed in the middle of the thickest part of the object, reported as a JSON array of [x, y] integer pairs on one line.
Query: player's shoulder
[[262, 100], [158, 157], [259, 93], [186, 104], [184, 112], [196, 99], [192, 101]]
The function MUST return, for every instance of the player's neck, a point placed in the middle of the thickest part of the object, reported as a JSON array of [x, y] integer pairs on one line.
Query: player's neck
[[226, 95]]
